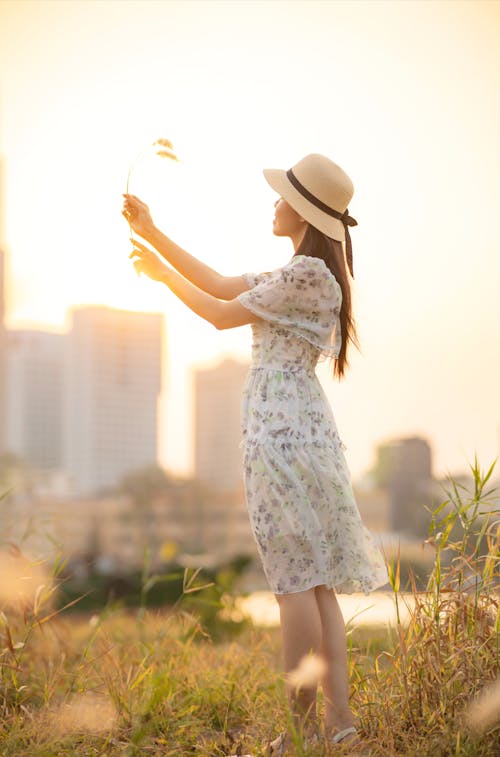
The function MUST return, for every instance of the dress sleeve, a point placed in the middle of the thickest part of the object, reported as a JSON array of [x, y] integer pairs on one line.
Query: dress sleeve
[[252, 279], [303, 297]]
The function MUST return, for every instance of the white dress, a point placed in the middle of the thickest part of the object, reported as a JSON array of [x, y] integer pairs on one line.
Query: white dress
[[299, 495]]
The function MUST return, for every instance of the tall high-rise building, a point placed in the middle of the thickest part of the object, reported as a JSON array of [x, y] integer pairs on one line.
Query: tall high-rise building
[[217, 424], [3, 335], [113, 383], [34, 387], [3, 351], [3, 230]]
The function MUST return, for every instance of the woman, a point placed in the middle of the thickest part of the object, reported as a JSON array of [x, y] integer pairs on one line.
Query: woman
[[306, 523]]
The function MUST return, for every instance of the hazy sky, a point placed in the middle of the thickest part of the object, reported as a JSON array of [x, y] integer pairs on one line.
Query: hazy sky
[[403, 95]]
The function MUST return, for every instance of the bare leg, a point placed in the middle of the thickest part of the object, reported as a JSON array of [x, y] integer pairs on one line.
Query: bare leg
[[335, 681], [301, 632]]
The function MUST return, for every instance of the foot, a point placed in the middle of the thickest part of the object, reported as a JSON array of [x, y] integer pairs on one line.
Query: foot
[[348, 735], [279, 746], [283, 744]]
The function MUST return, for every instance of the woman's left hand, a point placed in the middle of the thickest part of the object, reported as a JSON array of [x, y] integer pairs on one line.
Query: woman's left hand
[[147, 262]]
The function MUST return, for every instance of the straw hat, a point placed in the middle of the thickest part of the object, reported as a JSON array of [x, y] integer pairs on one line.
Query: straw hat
[[320, 191]]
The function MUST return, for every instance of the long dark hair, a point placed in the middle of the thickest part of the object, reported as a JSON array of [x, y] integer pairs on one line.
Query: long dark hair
[[315, 244]]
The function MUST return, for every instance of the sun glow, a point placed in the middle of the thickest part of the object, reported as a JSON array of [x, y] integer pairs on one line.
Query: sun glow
[[403, 95]]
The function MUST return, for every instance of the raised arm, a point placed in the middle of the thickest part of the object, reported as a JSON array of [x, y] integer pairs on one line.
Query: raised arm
[[223, 315], [201, 275]]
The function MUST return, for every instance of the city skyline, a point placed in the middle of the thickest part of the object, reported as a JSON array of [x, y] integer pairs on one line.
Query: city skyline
[[418, 136], [217, 389], [113, 382], [82, 407], [207, 368]]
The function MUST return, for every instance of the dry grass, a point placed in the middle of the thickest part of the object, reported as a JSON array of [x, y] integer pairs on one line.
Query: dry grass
[[128, 683]]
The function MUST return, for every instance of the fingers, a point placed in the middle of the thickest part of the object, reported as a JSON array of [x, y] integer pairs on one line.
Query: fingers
[[140, 255], [128, 212], [133, 199], [131, 205], [141, 246], [144, 253]]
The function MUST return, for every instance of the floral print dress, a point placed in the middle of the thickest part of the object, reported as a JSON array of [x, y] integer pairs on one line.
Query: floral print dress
[[299, 495]]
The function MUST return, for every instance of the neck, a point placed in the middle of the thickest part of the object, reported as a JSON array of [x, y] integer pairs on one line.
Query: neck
[[297, 237]]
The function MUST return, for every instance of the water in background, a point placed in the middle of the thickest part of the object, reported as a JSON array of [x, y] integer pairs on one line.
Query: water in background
[[378, 608]]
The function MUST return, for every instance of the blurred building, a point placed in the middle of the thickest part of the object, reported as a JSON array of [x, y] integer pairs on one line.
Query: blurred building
[[3, 336], [374, 506], [3, 231], [34, 387], [3, 343], [217, 424], [194, 524], [404, 467], [113, 382]]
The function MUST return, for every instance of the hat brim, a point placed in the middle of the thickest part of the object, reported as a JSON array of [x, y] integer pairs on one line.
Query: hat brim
[[279, 181]]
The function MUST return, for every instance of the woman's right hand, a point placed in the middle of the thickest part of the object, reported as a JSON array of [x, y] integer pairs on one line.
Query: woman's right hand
[[138, 216]]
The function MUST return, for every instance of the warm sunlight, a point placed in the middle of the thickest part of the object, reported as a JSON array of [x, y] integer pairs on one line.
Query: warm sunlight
[[171, 492], [403, 94]]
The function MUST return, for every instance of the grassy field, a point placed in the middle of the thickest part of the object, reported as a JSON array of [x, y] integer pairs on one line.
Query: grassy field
[[125, 682]]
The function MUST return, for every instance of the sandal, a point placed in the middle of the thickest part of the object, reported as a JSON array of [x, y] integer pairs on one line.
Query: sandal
[[343, 734], [274, 748], [278, 747]]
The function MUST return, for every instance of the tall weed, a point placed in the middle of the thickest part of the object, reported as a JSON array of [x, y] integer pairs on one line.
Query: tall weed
[[415, 698]]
